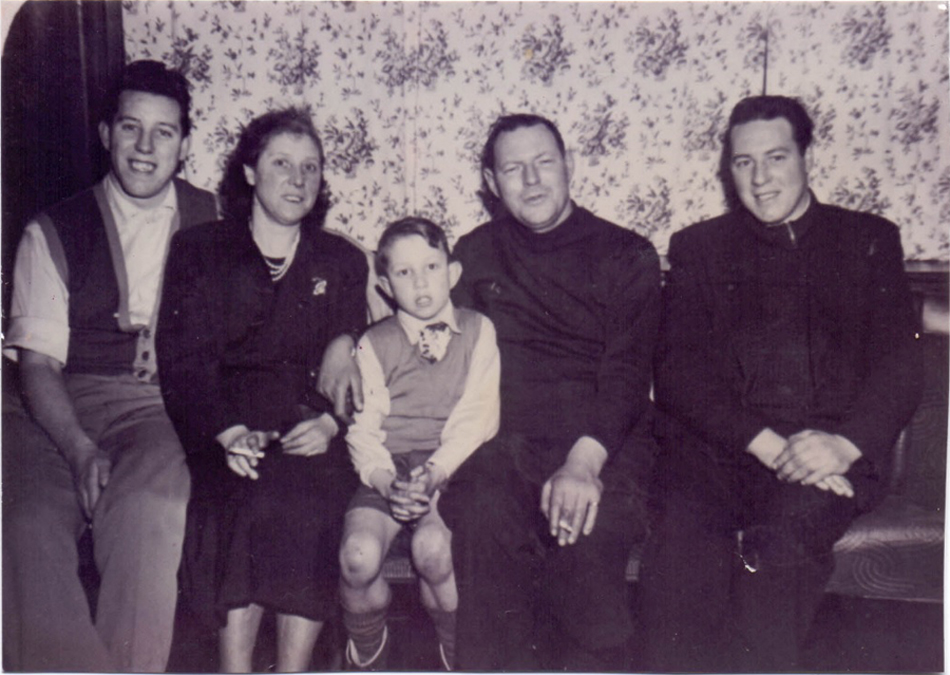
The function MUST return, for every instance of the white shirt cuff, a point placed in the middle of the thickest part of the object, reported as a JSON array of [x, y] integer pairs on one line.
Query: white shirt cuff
[[44, 336]]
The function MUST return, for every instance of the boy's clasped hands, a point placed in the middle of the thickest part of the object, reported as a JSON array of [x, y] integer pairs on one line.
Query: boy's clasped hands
[[410, 499]]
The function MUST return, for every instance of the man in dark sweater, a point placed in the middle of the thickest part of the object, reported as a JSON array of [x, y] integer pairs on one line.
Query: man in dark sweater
[[786, 370], [92, 448], [544, 516]]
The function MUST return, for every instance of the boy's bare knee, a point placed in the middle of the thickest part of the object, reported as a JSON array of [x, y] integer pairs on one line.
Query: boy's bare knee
[[432, 553], [361, 557]]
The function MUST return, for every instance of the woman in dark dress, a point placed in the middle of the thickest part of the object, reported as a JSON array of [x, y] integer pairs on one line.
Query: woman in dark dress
[[249, 305]]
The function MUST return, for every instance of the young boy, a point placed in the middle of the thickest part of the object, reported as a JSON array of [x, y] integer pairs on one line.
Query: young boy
[[431, 397]]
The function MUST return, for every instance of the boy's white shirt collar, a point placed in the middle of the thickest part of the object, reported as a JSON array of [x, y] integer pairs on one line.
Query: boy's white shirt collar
[[412, 326]]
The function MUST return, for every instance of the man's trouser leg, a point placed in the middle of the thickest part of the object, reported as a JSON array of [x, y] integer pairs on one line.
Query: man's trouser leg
[[716, 602], [790, 548], [139, 522], [586, 591], [524, 602], [489, 507], [46, 621], [685, 586]]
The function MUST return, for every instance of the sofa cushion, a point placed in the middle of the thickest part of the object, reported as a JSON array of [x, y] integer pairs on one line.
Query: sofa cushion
[[895, 552]]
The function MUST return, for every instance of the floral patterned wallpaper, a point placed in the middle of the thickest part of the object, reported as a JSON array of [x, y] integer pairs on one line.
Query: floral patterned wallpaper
[[404, 93]]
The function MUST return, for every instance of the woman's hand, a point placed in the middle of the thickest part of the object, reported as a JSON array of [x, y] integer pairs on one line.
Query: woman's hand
[[245, 449], [310, 437], [340, 378]]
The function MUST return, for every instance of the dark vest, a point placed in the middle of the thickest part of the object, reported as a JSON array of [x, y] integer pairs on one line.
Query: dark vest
[[98, 342]]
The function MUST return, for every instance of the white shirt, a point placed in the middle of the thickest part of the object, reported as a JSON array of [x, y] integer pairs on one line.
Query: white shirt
[[142, 232]]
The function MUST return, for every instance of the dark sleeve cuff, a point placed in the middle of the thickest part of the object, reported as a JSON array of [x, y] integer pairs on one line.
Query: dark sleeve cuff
[[316, 406]]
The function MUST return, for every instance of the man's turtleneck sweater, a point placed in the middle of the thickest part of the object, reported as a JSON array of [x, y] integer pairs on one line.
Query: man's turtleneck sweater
[[576, 310]]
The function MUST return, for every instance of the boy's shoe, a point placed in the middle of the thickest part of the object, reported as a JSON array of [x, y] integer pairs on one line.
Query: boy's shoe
[[376, 662], [445, 662]]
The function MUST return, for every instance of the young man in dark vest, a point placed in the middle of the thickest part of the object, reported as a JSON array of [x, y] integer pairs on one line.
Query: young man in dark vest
[[90, 446]]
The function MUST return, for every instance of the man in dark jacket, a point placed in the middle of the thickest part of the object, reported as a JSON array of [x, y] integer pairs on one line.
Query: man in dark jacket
[[543, 517], [92, 447], [787, 368]]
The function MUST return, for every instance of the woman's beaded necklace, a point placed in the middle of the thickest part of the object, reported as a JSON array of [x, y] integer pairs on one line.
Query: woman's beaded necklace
[[278, 266]]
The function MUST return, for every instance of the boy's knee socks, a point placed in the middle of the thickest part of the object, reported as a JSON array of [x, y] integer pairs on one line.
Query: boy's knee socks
[[445, 630], [366, 631]]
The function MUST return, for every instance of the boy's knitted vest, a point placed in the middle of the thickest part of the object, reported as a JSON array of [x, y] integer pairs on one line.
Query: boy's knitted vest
[[97, 344], [422, 394]]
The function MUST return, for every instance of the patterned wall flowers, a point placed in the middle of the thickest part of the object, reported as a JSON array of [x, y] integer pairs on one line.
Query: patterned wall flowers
[[864, 32], [420, 66], [660, 47], [544, 52], [403, 94]]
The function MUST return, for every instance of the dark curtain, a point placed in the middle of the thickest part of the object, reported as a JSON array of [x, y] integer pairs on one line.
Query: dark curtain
[[59, 60]]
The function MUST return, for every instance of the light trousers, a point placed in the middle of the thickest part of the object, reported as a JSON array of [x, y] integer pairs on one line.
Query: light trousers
[[137, 530]]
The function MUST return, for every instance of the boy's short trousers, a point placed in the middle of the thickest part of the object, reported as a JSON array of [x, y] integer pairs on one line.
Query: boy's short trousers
[[367, 497]]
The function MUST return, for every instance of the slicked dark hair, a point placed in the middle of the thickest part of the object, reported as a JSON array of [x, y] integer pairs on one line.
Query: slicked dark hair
[[503, 125], [763, 108], [151, 77], [771, 108], [407, 227], [237, 196]]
